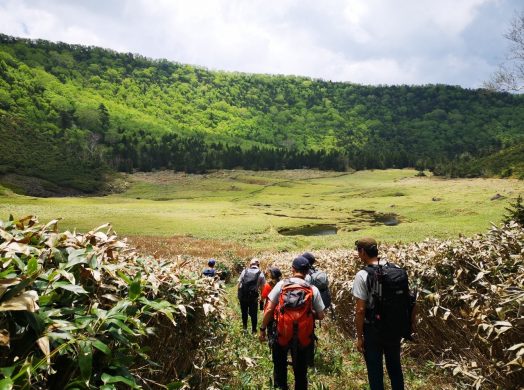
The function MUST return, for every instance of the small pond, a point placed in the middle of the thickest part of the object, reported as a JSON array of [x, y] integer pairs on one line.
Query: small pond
[[311, 230], [388, 219]]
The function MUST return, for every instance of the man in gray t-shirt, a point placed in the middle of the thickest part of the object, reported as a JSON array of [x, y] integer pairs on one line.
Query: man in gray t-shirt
[[301, 357], [369, 341]]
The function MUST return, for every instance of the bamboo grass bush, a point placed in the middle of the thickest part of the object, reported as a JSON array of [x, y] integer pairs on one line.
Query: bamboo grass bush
[[470, 304], [84, 311], [471, 299]]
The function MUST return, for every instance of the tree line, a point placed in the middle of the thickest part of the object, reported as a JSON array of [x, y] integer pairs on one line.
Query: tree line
[[124, 111]]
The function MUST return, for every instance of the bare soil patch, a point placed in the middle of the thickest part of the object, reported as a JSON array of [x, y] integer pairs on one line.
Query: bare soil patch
[[167, 247]]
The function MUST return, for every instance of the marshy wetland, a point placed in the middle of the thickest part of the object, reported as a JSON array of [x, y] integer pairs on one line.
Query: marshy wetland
[[283, 210]]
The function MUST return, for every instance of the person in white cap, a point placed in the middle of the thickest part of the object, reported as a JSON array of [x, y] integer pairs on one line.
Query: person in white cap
[[250, 284]]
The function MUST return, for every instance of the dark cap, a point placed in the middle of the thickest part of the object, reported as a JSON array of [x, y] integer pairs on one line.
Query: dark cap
[[366, 243], [275, 273], [300, 263], [310, 257]]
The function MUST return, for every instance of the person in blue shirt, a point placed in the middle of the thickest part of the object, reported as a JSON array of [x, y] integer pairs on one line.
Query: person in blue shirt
[[210, 271]]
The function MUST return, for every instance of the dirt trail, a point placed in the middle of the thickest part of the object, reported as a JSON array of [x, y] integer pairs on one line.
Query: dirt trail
[[337, 363], [337, 366]]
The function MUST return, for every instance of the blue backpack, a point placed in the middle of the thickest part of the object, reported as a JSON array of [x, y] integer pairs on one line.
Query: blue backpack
[[210, 272]]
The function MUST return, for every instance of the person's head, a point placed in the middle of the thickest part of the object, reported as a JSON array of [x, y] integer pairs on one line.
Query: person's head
[[254, 263], [310, 257], [211, 263], [300, 265], [274, 273], [367, 246]]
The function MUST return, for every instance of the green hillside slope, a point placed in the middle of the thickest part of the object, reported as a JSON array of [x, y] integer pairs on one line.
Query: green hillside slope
[[123, 111]]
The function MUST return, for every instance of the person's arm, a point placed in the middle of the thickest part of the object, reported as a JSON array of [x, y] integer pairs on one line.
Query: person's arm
[[360, 313], [268, 315], [318, 305], [240, 278], [414, 320], [319, 315], [261, 282]]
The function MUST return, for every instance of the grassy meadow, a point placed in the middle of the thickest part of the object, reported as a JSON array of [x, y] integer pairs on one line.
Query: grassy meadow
[[250, 208]]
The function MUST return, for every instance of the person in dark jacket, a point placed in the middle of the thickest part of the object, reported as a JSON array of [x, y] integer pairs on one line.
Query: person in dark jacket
[[250, 284], [210, 271]]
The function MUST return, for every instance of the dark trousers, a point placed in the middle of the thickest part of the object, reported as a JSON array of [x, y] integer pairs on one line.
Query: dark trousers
[[374, 350], [249, 307], [300, 364]]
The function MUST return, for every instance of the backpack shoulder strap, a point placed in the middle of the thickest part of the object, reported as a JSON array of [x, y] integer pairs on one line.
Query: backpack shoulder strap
[[371, 268]]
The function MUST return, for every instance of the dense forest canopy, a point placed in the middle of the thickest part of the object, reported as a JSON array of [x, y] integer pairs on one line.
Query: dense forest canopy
[[71, 112]]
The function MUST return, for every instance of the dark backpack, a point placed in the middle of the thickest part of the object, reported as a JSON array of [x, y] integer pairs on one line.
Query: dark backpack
[[320, 280], [210, 272], [390, 304], [249, 285]]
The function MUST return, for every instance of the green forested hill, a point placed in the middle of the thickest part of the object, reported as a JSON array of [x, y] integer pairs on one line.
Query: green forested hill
[[95, 109]]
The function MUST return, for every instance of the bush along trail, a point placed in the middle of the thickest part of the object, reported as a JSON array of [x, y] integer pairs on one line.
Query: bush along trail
[[86, 311]]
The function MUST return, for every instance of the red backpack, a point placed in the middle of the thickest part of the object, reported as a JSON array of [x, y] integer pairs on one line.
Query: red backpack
[[294, 314]]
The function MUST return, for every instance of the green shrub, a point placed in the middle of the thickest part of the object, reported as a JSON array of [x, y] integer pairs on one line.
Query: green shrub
[[516, 212], [83, 311]]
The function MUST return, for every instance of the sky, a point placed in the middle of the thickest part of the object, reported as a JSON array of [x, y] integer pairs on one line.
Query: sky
[[457, 42]]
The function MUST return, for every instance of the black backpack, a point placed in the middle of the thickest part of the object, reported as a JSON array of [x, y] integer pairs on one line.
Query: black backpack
[[249, 284], [320, 280], [391, 303]]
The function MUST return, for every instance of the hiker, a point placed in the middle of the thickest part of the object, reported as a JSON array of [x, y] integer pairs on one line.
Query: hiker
[[274, 275], [319, 279], [210, 271], [381, 314], [250, 283], [294, 304]]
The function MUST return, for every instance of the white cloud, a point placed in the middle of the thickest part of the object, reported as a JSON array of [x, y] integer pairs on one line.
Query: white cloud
[[368, 41]]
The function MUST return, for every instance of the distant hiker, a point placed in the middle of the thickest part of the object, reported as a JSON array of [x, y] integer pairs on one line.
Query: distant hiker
[[250, 283], [294, 304], [274, 275], [318, 279], [383, 314], [210, 271]]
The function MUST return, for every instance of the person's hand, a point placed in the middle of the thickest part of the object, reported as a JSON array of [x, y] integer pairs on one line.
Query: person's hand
[[360, 344], [262, 336], [413, 330]]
